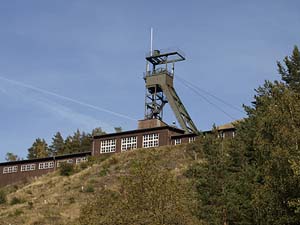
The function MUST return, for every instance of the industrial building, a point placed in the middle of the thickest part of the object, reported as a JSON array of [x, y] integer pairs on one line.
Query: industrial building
[[151, 132]]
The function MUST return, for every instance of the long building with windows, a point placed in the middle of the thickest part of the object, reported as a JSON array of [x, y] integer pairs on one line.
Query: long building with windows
[[22, 170], [150, 133], [145, 137]]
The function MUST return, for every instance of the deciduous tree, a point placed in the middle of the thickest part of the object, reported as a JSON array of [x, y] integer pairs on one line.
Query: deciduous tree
[[39, 149]]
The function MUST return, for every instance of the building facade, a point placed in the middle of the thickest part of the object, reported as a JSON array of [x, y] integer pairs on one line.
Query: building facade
[[17, 171], [149, 134], [140, 138]]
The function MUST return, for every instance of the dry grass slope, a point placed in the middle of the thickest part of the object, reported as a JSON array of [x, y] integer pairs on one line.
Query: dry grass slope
[[55, 199]]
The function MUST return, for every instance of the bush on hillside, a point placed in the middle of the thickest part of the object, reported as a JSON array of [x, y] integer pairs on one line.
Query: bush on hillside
[[3, 198], [16, 200], [66, 169]]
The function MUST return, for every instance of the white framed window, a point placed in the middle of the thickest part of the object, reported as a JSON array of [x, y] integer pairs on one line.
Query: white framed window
[[150, 140], [27, 167], [46, 165], [70, 161], [192, 139], [128, 143], [178, 141], [10, 169], [108, 146], [80, 160]]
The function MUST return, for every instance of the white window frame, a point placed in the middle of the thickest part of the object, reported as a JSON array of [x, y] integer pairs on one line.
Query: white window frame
[[128, 143], [177, 141], [80, 160], [192, 139], [27, 167], [108, 146], [10, 169], [46, 165], [150, 140]]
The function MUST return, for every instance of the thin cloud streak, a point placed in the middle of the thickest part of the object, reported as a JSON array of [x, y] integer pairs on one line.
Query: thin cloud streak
[[75, 117], [66, 98], [3, 90]]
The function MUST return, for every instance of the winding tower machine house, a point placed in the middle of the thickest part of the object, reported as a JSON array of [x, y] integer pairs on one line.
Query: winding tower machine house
[[151, 132]]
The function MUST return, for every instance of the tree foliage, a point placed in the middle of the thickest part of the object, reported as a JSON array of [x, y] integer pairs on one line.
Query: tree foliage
[[254, 178], [290, 72], [57, 145], [39, 149], [66, 169], [10, 157], [78, 142], [3, 198], [149, 194]]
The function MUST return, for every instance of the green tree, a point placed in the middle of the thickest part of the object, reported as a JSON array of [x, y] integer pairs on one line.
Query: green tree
[[290, 72], [222, 193], [277, 118], [39, 149], [57, 145], [255, 178], [76, 142], [67, 146], [97, 131], [86, 142], [149, 194], [11, 157]]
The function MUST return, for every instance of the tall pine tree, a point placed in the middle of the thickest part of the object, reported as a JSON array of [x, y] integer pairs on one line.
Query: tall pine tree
[[57, 145], [290, 72]]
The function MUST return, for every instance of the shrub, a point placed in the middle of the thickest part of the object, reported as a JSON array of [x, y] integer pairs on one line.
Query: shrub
[[2, 197], [30, 205], [89, 189], [83, 165], [72, 200], [16, 200], [103, 172], [112, 161], [18, 212], [66, 169]]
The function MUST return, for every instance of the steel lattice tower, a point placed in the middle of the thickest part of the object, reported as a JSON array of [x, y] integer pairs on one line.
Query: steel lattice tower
[[160, 89]]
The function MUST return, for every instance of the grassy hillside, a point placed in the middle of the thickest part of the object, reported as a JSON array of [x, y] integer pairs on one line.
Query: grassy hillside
[[56, 199]]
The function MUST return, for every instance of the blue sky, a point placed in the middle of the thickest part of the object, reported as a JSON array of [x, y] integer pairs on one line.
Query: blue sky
[[69, 64]]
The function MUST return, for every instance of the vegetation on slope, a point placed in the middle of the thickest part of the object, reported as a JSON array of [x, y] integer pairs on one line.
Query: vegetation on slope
[[145, 184]]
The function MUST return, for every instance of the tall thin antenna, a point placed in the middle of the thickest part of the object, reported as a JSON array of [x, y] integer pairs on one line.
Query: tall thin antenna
[[151, 41]]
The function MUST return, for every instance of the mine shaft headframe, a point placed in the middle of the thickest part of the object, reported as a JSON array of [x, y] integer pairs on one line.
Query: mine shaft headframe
[[160, 89]]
